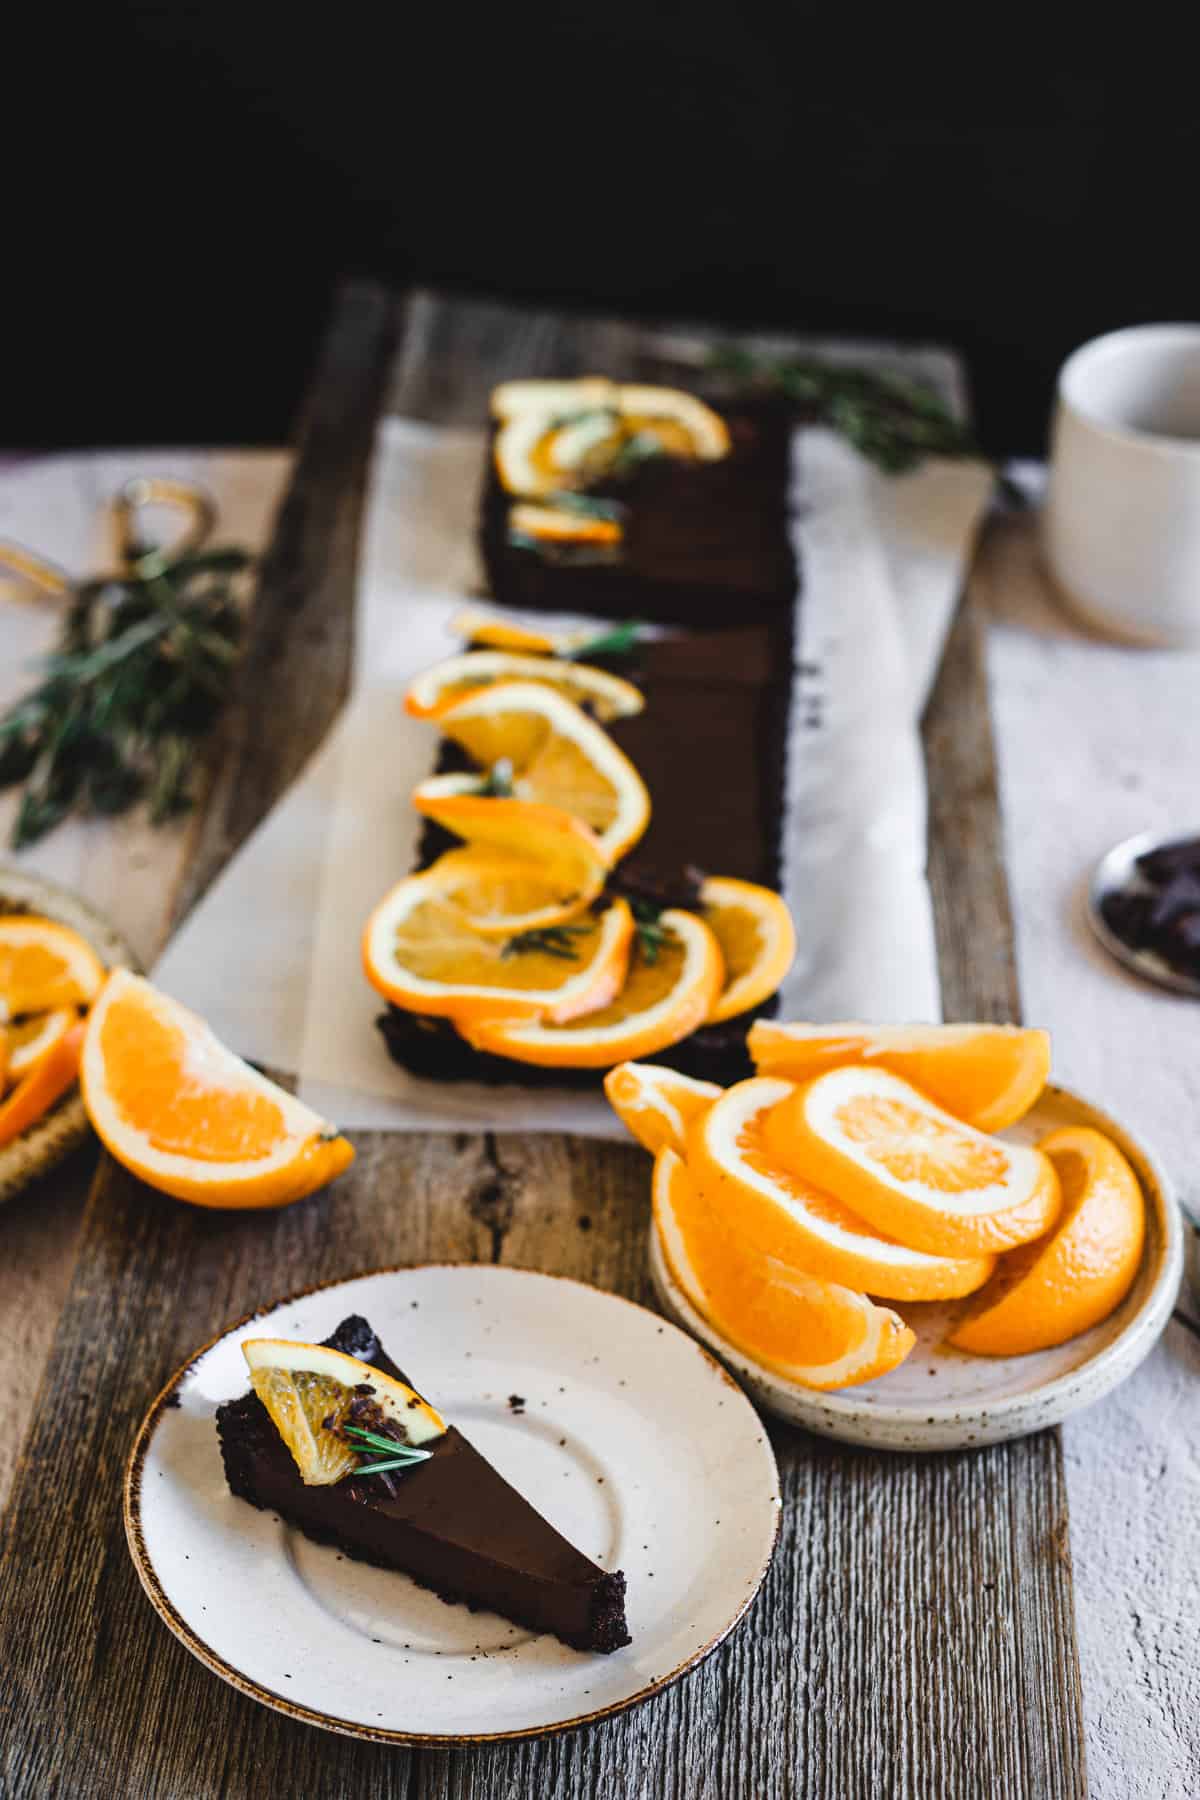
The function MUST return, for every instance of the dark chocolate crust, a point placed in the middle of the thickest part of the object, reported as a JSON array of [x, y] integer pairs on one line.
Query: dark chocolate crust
[[453, 1523]]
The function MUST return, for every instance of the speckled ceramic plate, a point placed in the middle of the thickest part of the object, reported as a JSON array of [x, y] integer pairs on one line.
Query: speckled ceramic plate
[[633, 1441], [943, 1399], [37, 1150]]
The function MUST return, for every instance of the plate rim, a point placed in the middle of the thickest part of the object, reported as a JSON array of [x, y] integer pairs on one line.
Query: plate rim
[[836, 1414], [147, 1575]]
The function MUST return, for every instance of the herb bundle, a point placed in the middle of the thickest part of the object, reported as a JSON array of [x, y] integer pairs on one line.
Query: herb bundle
[[138, 676]]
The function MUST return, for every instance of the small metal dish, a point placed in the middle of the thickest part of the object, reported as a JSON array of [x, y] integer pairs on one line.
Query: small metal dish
[[1117, 872]]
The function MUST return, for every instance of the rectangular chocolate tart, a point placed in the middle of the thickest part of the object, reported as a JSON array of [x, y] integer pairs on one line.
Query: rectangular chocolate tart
[[452, 1523]]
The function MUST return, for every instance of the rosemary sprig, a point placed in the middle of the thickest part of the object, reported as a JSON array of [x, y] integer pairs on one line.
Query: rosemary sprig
[[894, 420], [398, 1455], [652, 934], [138, 676], [497, 784], [551, 940], [617, 642]]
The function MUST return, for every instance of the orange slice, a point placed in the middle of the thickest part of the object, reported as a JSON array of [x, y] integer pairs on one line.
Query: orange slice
[[551, 524], [758, 941], [421, 952], [312, 1392], [4, 1056], [33, 1096], [557, 757], [813, 1332], [34, 1037], [453, 679], [656, 1105], [178, 1109], [479, 628], [783, 1215], [1067, 1281], [567, 852], [501, 895], [685, 425], [660, 1003], [558, 435], [987, 1075], [44, 965], [909, 1168]]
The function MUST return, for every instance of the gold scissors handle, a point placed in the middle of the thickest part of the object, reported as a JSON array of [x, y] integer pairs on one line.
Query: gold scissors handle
[[150, 490], [45, 578]]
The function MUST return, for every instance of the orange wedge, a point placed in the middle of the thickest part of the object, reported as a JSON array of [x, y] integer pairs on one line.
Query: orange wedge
[[44, 965], [656, 1105], [451, 680], [987, 1075], [33, 1096], [754, 928], [557, 757], [909, 1168], [785, 1216], [1067, 1281], [809, 1331], [178, 1109], [33, 1038], [660, 1003], [421, 952]]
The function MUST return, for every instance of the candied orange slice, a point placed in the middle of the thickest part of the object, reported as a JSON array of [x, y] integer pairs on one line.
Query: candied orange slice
[[810, 1331], [754, 928], [784, 1215], [190, 1118], [987, 1075], [656, 1105], [660, 1002], [607, 696], [1081, 1270], [910, 1169]]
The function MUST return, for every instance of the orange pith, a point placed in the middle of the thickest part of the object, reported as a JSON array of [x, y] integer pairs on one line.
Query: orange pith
[[814, 1332], [784, 1215], [155, 1092], [913, 1146], [1078, 1273], [987, 1075], [908, 1168]]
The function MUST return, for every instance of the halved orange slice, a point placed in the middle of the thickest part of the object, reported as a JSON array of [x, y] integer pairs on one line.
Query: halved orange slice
[[813, 1332], [502, 895], [421, 952], [660, 1002], [568, 853], [313, 1394], [190, 1118], [558, 435], [607, 696], [550, 524], [655, 1104], [1079, 1272], [33, 1038], [987, 1075], [492, 633], [34, 1095], [44, 965], [685, 425], [557, 756], [754, 928], [909, 1168], [782, 1214]]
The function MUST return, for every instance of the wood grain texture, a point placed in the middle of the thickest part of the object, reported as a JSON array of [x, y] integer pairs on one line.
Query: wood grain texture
[[915, 1634]]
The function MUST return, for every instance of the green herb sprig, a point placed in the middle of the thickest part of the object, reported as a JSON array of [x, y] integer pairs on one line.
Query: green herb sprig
[[894, 420], [551, 940], [138, 676], [396, 1454], [652, 934], [620, 641]]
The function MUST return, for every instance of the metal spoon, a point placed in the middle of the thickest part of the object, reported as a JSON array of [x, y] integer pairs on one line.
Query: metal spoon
[[1117, 872]]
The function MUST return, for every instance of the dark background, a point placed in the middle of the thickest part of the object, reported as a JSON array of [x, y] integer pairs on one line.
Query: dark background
[[184, 183]]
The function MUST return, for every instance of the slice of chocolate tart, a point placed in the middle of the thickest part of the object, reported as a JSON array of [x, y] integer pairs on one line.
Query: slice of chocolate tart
[[451, 1521]]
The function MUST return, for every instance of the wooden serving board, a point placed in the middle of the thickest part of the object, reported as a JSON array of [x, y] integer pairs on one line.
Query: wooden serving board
[[916, 1633]]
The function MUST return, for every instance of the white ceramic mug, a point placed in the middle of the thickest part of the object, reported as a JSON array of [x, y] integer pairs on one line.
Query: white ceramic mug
[[1122, 521]]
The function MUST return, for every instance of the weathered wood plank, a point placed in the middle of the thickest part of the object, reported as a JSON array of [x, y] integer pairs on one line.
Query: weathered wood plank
[[915, 1634]]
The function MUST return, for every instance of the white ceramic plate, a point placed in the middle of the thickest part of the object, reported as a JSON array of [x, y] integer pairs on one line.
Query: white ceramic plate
[[943, 1399], [634, 1442]]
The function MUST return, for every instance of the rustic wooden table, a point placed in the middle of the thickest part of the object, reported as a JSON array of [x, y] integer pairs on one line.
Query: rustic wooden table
[[916, 1632]]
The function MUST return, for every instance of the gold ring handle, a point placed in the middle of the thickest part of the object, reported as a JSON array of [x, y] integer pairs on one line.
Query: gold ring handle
[[149, 490]]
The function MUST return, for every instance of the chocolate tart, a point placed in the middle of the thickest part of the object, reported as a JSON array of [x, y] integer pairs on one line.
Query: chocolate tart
[[452, 1523]]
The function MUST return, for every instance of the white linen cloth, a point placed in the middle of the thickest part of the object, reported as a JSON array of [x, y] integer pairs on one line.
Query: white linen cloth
[[882, 563]]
